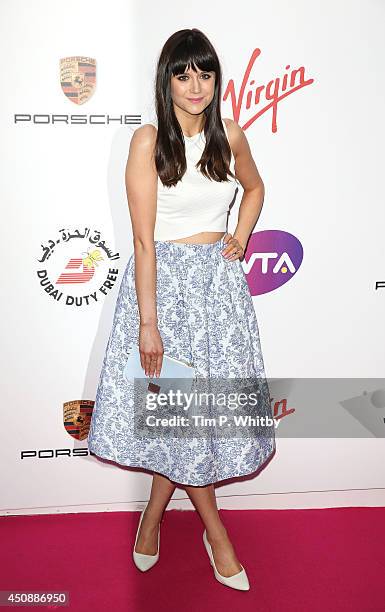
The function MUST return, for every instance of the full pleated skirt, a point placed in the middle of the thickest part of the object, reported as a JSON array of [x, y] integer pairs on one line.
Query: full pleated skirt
[[206, 317]]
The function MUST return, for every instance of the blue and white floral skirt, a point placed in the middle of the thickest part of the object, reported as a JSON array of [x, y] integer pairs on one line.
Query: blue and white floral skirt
[[205, 317]]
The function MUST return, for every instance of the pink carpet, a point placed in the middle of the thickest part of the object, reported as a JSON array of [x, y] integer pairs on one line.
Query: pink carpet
[[327, 560]]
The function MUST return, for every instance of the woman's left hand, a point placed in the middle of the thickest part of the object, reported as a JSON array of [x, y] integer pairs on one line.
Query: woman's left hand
[[233, 249]]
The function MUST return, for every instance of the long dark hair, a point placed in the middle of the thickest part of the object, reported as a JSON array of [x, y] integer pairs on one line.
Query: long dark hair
[[188, 49]]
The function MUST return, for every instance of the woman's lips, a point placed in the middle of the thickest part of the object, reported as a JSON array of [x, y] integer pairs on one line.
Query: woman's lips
[[195, 100]]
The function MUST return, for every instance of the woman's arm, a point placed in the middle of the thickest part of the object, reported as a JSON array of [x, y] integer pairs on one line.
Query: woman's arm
[[247, 173], [141, 187]]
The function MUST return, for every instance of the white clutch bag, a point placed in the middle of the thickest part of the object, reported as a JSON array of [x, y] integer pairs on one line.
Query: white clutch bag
[[171, 369]]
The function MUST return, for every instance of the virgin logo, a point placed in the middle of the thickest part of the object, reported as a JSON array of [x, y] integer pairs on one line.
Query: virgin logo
[[272, 258], [261, 98]]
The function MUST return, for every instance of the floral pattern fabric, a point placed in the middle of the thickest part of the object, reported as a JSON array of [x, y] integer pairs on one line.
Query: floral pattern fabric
[[205, 317]]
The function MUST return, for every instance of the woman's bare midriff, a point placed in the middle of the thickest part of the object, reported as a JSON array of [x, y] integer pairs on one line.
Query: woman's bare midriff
[[201, 238]]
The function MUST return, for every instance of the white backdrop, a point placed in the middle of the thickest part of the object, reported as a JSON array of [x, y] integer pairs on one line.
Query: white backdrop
[[319, 154]]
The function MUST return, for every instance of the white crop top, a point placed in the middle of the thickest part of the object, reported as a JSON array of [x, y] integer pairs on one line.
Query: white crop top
[[195, 204]]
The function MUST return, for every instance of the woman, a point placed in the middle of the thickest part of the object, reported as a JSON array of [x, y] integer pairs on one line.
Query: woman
[[184, 294]]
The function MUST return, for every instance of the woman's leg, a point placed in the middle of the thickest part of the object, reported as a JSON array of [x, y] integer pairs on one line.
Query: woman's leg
[[161, 490], [204, 500]]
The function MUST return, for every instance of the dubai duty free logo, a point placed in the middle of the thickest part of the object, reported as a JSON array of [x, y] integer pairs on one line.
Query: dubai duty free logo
[[76, 267], [78, 78]]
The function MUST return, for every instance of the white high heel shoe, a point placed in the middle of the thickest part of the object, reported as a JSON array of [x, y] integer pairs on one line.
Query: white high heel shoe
[[142, 561], [238, 581]]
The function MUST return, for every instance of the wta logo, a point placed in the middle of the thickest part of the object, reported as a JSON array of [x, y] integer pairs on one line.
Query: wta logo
[[272, 258]]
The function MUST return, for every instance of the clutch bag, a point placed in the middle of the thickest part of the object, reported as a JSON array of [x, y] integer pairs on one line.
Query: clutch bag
[[171, 369]]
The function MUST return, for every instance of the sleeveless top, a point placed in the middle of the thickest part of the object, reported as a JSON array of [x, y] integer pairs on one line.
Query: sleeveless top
[[195, 204]]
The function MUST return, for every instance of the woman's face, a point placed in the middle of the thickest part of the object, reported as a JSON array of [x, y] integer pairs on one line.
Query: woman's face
[[193, 91]]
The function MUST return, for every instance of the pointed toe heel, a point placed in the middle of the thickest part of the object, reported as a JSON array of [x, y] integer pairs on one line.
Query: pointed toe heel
[[238, 581], [142, 561]]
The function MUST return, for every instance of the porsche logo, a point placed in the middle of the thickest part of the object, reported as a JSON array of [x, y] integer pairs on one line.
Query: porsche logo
[[77, 418], [78, 78]]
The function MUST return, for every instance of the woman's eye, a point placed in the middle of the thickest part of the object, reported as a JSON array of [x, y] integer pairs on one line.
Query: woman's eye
[[205, 77]]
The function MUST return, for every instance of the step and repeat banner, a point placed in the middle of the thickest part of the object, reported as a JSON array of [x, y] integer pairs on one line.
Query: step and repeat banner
[[304, 83]]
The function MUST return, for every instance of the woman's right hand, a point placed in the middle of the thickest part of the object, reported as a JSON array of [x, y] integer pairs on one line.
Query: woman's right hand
[[150, 349]]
